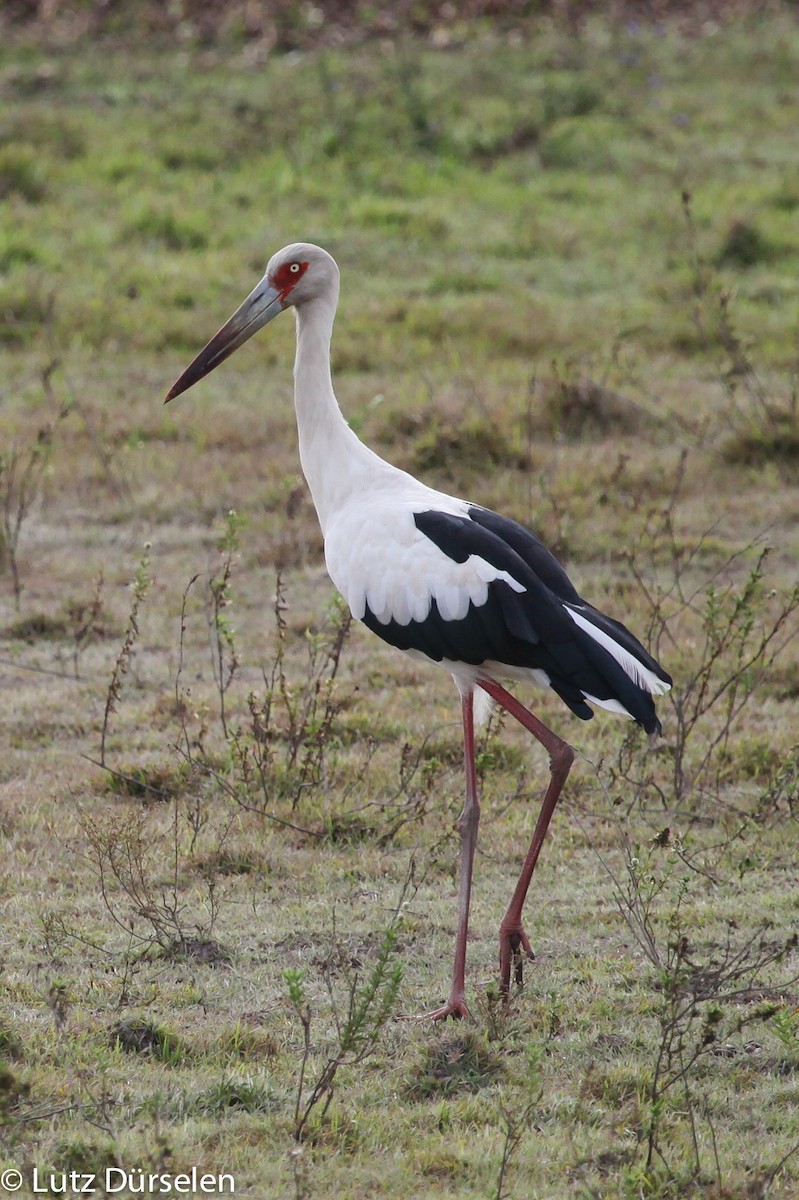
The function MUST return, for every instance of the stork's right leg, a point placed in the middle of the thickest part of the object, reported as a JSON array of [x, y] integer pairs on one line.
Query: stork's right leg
[[512, 938], [468, 823]]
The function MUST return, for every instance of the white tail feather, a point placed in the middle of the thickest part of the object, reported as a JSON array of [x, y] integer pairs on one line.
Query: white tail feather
[[647, 680]]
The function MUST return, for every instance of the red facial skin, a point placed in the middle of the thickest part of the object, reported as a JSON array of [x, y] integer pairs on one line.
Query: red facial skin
[[284, 279]]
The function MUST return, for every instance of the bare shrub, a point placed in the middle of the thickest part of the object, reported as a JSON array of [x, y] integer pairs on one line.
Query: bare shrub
[[151, 883], [704, 995], [139, 588], [224, 656], [22, 469], [280, 749], [722, 632]]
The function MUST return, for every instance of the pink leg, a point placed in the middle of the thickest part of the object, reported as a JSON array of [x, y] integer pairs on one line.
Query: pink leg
[[467, 824], [512, 938]]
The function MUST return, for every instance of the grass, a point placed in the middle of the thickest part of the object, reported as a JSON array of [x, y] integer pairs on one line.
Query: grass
[[569, 262]]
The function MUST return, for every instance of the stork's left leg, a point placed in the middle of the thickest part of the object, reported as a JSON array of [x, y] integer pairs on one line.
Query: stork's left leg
[[512, 938]]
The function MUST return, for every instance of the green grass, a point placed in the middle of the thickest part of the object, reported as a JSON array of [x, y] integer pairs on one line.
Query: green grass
[[570, 265]]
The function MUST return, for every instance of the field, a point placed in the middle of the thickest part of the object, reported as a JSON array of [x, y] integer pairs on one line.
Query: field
[[570, 290]]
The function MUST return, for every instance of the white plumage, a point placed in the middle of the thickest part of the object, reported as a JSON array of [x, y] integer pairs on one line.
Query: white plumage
[[377, 556]]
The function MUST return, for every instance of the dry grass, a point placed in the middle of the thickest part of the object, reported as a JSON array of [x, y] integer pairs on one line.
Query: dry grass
[[152, 908]]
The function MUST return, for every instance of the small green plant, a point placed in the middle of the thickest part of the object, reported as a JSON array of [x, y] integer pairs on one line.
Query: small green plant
[[518, 1108], [368, 1006], [454, 1065], [59, 1000], [138, 1035], [236, 1094], [782, 791], [785, 1025]]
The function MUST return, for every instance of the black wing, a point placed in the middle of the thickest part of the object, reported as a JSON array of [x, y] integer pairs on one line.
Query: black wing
[[530, 549], [530, 629]]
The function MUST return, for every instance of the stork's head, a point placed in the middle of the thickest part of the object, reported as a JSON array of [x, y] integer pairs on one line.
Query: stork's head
[[294, 276]]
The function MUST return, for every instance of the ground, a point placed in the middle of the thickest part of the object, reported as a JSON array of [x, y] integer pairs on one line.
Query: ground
[[569, 259]]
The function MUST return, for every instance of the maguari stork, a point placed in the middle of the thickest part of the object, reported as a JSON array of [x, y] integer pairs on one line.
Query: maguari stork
[[442, 579]]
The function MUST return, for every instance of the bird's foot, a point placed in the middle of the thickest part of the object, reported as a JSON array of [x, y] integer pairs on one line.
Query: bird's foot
[[514, 947], [455, 1007]]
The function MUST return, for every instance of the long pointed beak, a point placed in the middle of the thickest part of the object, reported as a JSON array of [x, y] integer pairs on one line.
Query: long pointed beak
[[263, 303]]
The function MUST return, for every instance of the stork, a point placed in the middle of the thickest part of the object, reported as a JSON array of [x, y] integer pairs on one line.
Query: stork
[[442, 579]]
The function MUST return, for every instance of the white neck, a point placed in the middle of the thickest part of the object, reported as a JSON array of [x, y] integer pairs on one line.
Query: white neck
[[334, 461]]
